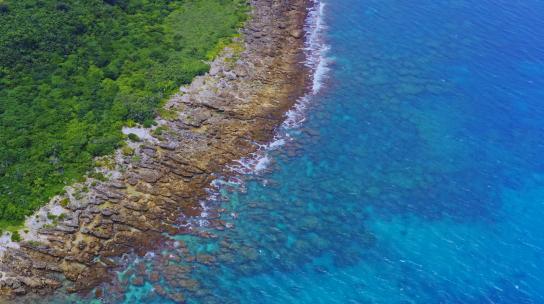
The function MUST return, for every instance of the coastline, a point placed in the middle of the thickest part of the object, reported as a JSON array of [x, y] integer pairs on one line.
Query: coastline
[[221, 117]]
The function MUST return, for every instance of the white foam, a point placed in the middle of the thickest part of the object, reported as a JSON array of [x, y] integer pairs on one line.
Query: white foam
[[262, 163], [317, 61], [315, 46]]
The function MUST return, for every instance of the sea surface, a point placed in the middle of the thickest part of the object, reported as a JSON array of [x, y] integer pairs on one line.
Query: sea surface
[[412, 172]]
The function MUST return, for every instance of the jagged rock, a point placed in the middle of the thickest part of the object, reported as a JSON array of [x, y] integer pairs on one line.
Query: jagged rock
[[149, 176], [159, 290], [66, 229], [32, 282], [177, 297], [107, 212], [240, 71], [118, 185], [136, 206]]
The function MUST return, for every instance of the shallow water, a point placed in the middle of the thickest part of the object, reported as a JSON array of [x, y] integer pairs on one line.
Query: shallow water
[[416, 177]]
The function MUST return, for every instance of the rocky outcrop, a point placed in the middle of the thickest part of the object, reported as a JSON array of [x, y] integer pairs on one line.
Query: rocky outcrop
[[219, 118]]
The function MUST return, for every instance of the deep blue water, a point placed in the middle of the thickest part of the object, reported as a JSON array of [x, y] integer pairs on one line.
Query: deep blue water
[[417, 177]]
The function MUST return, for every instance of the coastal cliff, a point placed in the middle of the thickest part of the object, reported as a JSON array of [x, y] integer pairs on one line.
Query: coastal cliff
[[156, 186]]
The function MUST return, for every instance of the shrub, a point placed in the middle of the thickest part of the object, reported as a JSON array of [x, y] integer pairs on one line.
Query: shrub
[[15, 236], [127, 151], [64, 202], [134, 137]]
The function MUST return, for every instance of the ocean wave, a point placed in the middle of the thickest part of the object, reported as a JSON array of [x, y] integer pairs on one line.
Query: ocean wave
[[317, 61]]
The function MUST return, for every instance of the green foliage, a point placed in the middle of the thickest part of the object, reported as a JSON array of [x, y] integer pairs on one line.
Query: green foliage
[[134, 137], [15, 236], [73, 72], [64, 202], [127, 151], [98, 176], [159, 131], [34, 243], [168, 114]]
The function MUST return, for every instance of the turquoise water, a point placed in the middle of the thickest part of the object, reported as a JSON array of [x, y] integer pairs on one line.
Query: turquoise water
[[416, 177]]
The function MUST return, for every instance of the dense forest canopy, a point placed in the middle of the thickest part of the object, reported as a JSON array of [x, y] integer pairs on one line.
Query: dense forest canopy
[[73, 72]]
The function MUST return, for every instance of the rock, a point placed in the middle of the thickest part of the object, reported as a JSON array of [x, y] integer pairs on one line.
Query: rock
[[154, 276], [136, 206], [168, 146], [149, 176], [107, 212], [296, 33], [32, 282], [132, 180], [189, 284], [137, 281], [39, 265], [19, 291], [230, 75], [159, 290], [66, 229], [13, 283], [53, 284], [149, 151], [177, 297], [118, 185], [215, 69], [240, 71], [205, 259], [98, 293]]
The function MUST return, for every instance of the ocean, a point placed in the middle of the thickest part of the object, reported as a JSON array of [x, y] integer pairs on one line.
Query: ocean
[[412, 172]]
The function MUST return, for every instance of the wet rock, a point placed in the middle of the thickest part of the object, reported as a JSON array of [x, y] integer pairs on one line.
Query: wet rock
[[250, 253], [154, 276], [159, 290], [205, 259], [98, 293], [189, 284], [137, 281], [177, 297]]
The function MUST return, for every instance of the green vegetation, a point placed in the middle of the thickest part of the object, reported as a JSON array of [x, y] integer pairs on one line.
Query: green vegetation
[[15, 236], [134, 137], [73, 72]]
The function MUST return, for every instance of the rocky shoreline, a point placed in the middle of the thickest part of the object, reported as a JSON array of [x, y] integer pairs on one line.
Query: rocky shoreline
[[156, 185]]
